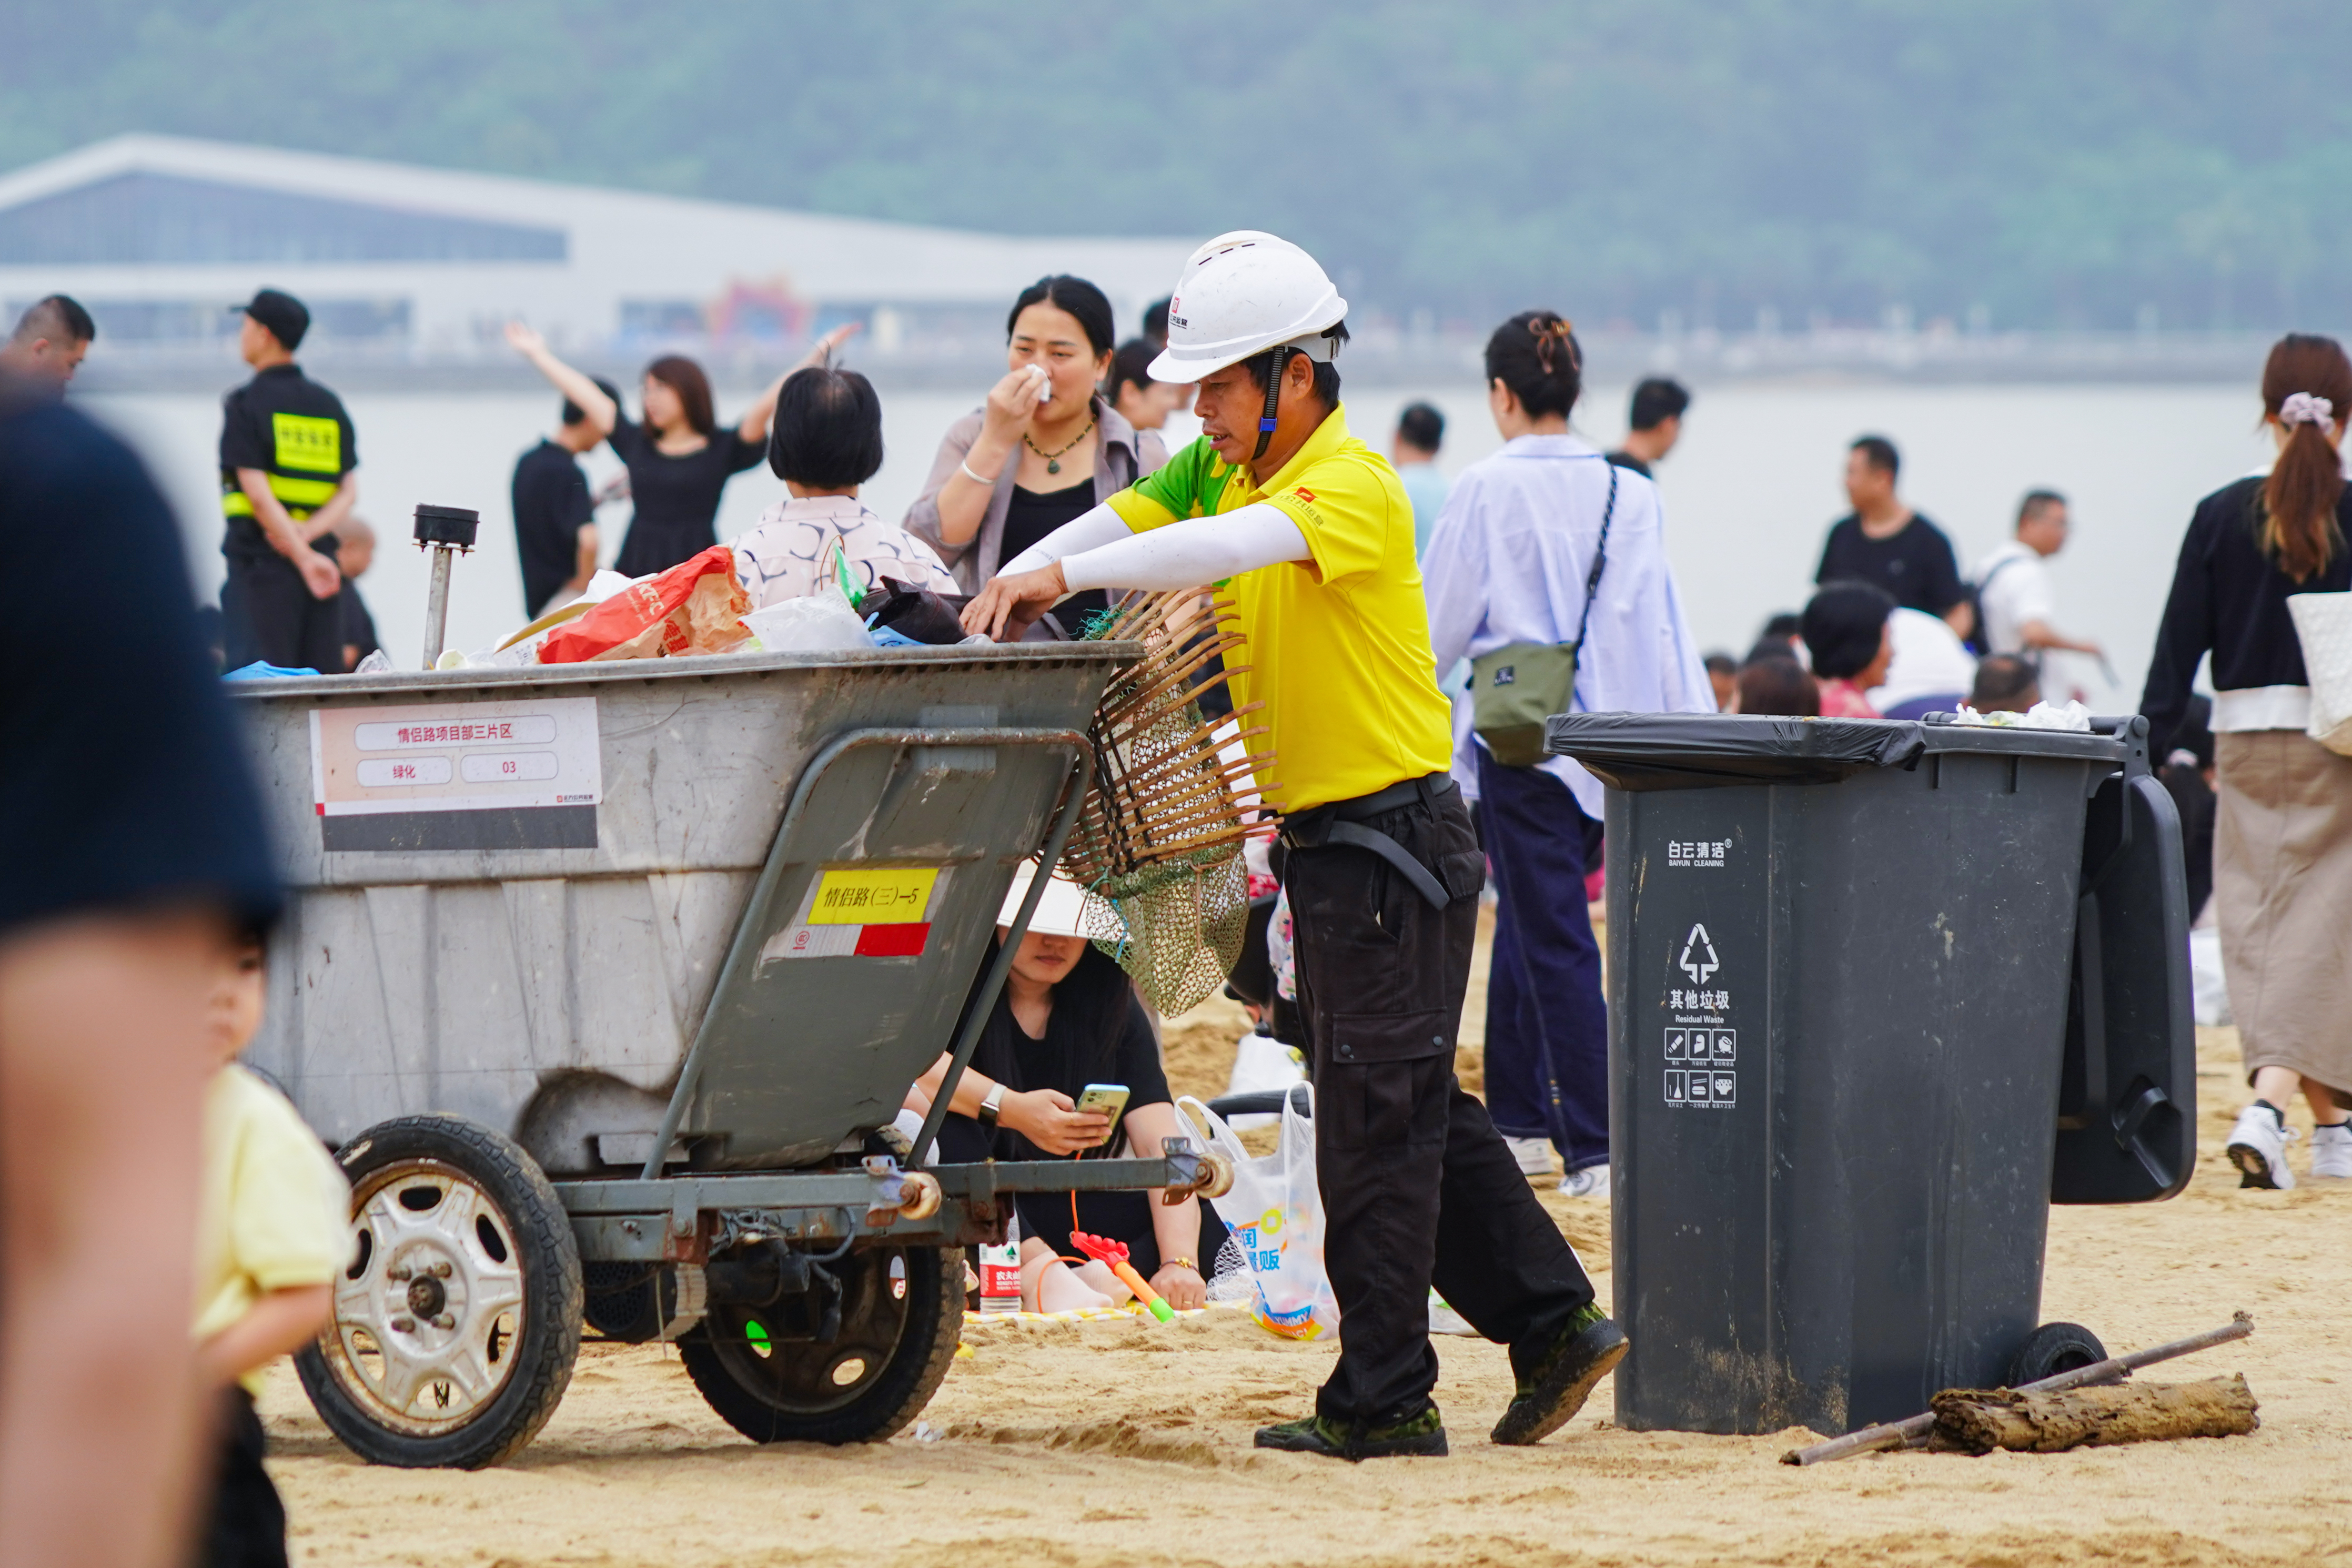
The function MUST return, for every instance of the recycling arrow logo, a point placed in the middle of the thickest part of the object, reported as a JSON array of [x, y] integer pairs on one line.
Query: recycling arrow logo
[[1697, 967]]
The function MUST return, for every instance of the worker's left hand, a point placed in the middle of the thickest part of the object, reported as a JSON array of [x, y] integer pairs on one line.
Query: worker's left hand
[[1181, 1288], [1009, 606]]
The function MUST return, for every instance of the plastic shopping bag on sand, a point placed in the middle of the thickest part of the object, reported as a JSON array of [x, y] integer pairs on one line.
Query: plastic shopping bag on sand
[[695, 607], [819, 623], [1262, 1062], [1277, 1217]]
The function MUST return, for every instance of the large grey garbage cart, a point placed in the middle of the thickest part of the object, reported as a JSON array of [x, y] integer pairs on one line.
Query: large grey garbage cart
[[1878, 993], [609, 981]]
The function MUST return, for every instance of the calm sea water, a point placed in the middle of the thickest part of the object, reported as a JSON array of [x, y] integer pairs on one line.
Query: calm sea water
[[1748, 493]]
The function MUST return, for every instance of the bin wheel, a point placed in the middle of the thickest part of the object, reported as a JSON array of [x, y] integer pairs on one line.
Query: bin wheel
[[458, 1319], [2052, 1349], [766, 1374]]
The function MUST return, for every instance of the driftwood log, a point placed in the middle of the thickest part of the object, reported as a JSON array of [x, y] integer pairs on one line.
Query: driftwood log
[[1978, 1420]]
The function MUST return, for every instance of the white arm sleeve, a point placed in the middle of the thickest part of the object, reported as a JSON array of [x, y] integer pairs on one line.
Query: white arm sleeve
[[1096, 526], [1187, 554]]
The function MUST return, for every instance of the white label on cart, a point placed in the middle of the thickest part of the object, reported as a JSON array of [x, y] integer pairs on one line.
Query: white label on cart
[[457, 755]]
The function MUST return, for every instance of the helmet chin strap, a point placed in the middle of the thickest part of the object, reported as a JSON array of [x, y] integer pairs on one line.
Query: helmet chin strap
[[1277, 361]]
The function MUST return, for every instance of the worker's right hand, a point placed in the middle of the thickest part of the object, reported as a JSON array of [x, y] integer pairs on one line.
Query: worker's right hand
[[1006, 607], [1004, 418], [319, 575], [1047, 1118]]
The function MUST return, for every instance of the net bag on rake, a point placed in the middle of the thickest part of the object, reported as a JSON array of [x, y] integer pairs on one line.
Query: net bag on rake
[[1174, 794]]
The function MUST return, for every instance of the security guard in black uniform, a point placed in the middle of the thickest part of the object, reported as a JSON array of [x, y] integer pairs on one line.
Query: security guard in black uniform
[[287, 453]]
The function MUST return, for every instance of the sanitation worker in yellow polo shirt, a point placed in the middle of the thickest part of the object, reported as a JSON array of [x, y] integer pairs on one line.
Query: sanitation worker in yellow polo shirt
[[1383, 869]]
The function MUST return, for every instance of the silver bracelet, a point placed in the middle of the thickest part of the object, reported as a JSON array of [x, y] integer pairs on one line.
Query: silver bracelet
[[972, 477]]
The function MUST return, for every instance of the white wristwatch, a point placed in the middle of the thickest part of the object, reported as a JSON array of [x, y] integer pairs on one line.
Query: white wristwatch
[[991, 1107]]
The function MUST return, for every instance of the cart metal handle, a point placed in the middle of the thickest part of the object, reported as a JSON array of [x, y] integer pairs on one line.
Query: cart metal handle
[[745, 948]]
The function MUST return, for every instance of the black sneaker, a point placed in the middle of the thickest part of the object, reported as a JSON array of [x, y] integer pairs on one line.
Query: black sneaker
[[1564, 1379], [1421, 1435]]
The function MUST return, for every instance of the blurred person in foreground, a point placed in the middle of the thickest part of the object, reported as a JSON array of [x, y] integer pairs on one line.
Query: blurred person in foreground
[[51, 340], [288, 457], [2013, 589], [274, 1232], [131, 848], [1887, 544], [678, 455], [1042, 450], [1777, 687], [1380, 859], [2282, 831], [1548, 542], [2005, 684], [1845, 632], [825, 442], [1412, 451], [554, 518], [1652, 425]]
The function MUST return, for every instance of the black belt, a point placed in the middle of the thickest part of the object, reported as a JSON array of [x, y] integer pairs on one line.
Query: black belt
[[1341, 822]]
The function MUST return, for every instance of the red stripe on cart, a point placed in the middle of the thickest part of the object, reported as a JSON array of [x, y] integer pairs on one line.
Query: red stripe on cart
[[893, 941]]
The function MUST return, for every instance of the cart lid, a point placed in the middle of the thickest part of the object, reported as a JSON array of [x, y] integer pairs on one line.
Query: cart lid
[[1686, 751]]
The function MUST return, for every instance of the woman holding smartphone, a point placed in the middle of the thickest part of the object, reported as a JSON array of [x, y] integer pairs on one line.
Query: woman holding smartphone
[[1068, 1019]]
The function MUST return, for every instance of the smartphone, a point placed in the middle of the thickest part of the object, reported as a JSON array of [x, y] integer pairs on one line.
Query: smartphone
[[1110, 1099]]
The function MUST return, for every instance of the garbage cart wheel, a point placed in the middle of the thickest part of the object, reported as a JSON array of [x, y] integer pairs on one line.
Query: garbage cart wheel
[[2052, 1349], [901, 1316], [458, 1319]]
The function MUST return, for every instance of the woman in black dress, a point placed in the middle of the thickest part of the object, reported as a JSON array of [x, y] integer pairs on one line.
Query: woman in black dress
[[679, 457], [1068, 1017]]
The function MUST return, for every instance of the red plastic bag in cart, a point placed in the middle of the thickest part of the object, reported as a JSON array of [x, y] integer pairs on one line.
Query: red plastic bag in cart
[[695, 607]]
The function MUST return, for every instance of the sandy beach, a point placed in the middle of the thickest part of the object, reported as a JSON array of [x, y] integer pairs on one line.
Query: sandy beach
[[1122, 1441]]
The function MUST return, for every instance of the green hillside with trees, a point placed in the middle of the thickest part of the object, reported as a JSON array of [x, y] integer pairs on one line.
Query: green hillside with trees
[[2025, 162]]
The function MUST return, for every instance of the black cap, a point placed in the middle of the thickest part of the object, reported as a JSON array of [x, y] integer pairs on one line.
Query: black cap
[[285, 316]]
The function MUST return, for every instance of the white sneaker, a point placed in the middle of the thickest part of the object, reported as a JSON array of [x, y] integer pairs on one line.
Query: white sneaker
[[2258, 1148], [1534, 1154], [1592, 1181], [2331, 1153]]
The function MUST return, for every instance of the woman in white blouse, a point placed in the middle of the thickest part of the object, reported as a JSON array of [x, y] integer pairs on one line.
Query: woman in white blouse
[[1527, 536], [826, 442]]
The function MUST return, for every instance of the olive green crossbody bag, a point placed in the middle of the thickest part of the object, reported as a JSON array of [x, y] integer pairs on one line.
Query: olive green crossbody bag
[[1518, 686]]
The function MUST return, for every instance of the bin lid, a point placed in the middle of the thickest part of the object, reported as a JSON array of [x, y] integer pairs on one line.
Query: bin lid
[[1686, 751]]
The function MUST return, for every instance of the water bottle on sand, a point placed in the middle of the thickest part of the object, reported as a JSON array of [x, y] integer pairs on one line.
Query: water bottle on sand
[[1000, 1271]]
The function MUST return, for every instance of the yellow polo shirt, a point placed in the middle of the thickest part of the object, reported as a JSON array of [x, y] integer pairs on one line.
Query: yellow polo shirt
[[274, 1210], [1338, 646]]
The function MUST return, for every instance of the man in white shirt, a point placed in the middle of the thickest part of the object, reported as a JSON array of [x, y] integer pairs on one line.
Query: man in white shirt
[[2013, 587]]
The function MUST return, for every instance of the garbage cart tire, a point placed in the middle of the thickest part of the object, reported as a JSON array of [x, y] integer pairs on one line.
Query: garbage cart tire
[[2052, 1349], [458, 1320], [901, 1317]]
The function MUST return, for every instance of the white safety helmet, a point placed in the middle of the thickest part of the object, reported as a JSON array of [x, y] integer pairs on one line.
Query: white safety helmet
[[1242, 294]]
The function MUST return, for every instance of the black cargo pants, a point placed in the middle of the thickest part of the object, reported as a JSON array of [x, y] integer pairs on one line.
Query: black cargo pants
[[1417, 1185]]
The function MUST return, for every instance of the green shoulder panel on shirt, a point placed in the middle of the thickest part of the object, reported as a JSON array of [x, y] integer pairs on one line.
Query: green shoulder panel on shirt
[[1191, 484]]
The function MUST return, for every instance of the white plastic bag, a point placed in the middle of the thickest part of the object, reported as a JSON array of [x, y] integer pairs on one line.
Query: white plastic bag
[[2323, 625], [2208, 988], [1262, 1062], [819, 623], [1277, 1216]]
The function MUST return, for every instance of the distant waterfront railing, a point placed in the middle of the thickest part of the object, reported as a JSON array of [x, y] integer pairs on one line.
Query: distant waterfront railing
[[1378, 355]]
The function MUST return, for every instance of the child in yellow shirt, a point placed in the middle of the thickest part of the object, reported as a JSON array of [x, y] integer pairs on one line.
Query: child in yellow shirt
[[274, 1231]]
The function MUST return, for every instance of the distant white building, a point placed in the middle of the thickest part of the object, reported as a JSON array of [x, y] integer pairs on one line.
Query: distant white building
[[159, 235]]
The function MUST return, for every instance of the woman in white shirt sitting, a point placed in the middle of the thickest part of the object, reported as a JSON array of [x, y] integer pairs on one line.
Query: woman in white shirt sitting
[[826, 442], [1546, 542]]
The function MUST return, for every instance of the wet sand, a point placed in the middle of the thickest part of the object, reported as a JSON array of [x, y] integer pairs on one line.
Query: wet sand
[[1059, 1444]]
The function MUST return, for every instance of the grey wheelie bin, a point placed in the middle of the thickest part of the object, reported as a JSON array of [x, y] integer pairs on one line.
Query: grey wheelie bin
[[1879, 993], [609, 978]]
